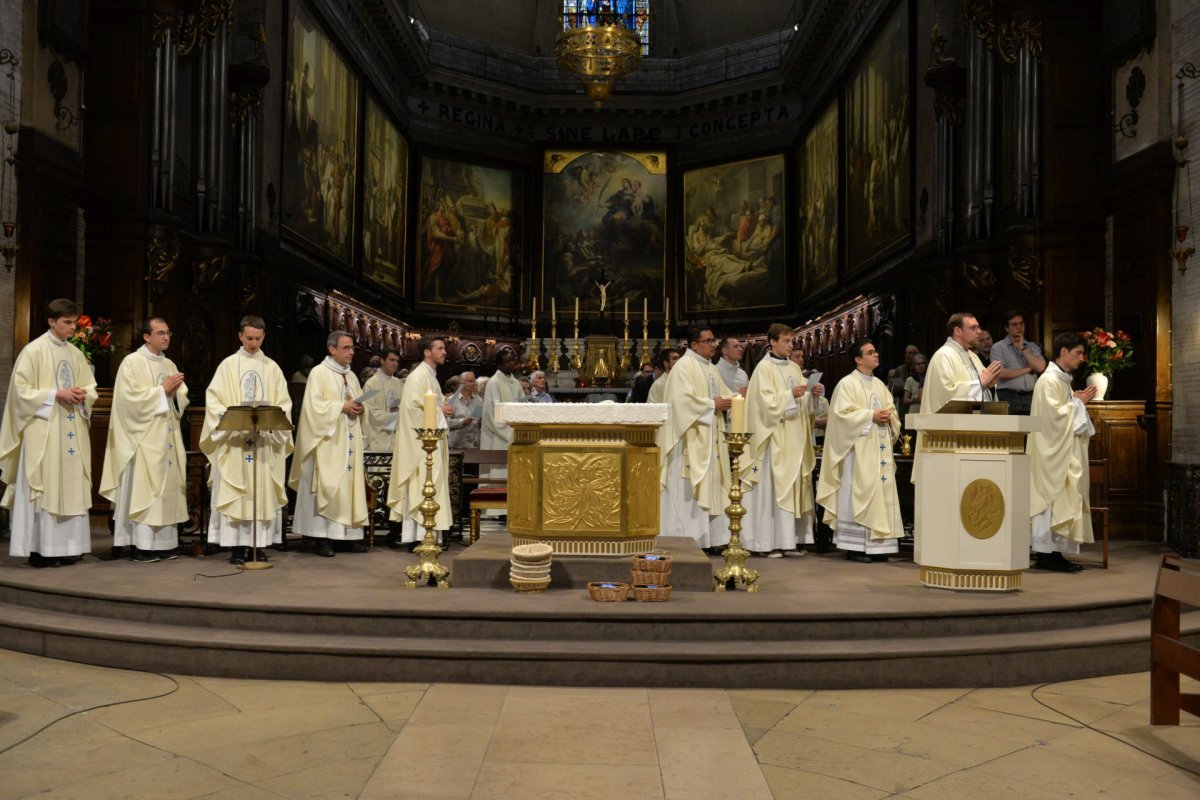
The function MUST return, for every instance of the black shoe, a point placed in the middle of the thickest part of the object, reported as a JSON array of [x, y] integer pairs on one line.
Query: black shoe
[[858, 558], [357, 547], [412, 546], [118, 552], [238, 556], [261, 555], [39, 561], [68, 561], [167, 555], [324, 549], [1048, 562], [879, 557], [144, 556]]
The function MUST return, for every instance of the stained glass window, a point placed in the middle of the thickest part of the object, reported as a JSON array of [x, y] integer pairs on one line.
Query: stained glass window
[[631, 14]]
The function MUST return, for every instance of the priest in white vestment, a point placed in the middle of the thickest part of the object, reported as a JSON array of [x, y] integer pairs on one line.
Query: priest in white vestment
[[408, 457], [694, 476], [327, 468], [664, 362], [1058, 457], [247, 376], [495, 434], [779, 461], [729, 365], [45, 452], [857, 487], [380, 410], [145, 462], [955, 372]]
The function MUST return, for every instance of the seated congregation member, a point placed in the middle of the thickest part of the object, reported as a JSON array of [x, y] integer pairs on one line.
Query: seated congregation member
[[327, 469], [45, 450], [379, 411], [694, 475], [247, 376], [145, 466], [778, 470], [408, 457], [1058, 455], [857, 487]]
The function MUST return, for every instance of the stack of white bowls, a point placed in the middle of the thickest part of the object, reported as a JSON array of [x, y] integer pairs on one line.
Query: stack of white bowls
[[529, 567]]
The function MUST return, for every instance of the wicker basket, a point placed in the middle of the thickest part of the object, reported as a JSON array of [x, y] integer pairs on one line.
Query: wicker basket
[[652, 562], [529, 587], [532, 552], [657, 578], [652, 593], [608, 591]]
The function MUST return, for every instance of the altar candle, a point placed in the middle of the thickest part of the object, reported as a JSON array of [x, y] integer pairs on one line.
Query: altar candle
[[626, 311], [667, 312], [533, 314], [645, 310], [737, 415], [576, 310], [430, 411], [553, 309]]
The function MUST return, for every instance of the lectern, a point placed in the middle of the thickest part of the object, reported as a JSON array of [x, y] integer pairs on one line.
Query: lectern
[[254, 418], [972, 500]]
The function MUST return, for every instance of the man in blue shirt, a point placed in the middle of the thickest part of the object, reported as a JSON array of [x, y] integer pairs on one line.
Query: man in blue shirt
[[1021, 363]]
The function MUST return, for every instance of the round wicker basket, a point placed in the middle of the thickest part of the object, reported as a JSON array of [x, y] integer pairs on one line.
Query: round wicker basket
[[608, 591], [652, 593]]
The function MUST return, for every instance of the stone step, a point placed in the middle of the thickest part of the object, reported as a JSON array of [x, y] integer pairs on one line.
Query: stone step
[[997, 659]]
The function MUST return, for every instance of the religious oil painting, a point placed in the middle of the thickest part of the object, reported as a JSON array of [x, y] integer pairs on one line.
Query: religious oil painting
[[734, 236], [603, 229], [878, 166], [385, 192], [468, 226], [818, 198], [320, 141]]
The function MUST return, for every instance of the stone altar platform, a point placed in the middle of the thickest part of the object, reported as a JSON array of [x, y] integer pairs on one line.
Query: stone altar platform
[[484, 565]]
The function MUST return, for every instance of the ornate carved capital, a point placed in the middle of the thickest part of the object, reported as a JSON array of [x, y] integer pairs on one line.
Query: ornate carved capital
[[241, 106], [205, 273], [193, 30], [1003, 37], [1026, 267]]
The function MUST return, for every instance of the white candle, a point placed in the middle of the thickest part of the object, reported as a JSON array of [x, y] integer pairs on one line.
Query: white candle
[[737, 415], [553, 309], [430, 409], [576, 310], [626, 310], [645, 310], [667, 312], [533, 314]]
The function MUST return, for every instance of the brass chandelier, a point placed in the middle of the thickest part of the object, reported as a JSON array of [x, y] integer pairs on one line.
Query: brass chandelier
[[599, 48]]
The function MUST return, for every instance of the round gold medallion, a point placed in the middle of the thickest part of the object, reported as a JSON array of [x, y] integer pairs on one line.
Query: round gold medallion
[[981, 508]]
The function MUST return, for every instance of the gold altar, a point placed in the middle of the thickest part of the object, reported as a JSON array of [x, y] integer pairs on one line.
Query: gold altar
[[584, 487]]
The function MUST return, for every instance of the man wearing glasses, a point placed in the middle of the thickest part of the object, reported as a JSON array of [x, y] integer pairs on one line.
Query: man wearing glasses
[[695, 469], [144, 463]]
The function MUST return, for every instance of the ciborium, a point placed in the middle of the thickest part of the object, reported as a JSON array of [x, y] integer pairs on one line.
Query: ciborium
[[735, 570], [427, 570]]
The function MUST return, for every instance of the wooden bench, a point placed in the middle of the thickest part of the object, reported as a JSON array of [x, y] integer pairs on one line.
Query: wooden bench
[[487, 493], [1178, 583]]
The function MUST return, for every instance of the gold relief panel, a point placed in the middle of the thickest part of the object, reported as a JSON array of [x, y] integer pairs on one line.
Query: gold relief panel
[[522, 471], [981, 508], [643, 490], [581, 491]]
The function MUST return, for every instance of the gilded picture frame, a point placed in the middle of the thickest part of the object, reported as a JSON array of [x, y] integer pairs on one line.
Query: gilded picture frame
[[735, 236], [604, 229], [385, 200], [469, 228], [878, 148], [320, 140]]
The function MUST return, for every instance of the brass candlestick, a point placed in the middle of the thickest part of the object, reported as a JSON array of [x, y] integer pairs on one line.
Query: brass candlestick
[[645, 343], [906, 444], [428, 570], [553, 347], [626, 350], [735, 569], [576, 361]]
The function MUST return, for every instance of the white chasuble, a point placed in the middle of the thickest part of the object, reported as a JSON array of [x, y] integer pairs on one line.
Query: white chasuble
[[494, 434], [658, 389], [240, 379], [778, 464], [1058, 456], [45, 452], [695, 471], [857, 487], [145, 463], [953, 374], [327, 468], [408, 458], [378, 420]]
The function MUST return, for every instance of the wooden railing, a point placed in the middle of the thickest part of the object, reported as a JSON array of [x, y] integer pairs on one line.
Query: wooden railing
[[1178, 584]]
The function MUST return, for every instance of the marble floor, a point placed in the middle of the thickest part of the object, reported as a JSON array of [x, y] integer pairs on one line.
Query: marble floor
[[76, 731]]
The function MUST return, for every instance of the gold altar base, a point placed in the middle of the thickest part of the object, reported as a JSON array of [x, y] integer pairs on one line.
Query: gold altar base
[[584, 489], [975, 580]]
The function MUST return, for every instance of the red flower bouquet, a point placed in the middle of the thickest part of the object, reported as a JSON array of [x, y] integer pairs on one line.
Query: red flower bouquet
[[93, 336], [1106, 352]]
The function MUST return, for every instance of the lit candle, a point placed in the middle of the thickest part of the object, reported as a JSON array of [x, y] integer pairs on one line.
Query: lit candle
[[737, 415], [430, 411]]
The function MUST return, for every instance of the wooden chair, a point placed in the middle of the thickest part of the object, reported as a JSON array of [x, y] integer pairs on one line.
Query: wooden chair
[[1178, 585], [485, 497], [1098, 499]]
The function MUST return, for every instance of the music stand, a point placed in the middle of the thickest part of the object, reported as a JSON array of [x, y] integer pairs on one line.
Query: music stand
[[254, 418]]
